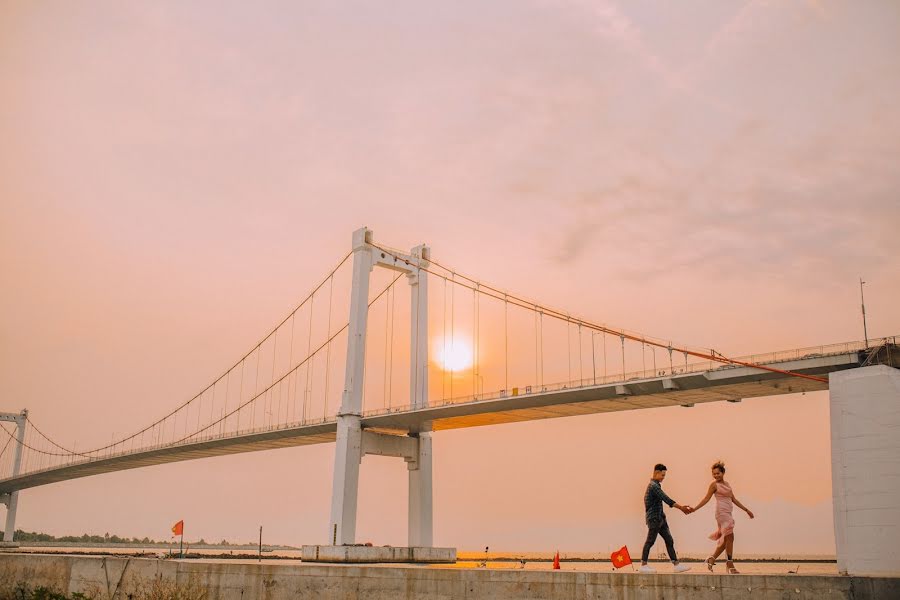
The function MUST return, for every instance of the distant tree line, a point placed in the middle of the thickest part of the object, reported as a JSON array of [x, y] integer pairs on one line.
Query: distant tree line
[[85, 538]]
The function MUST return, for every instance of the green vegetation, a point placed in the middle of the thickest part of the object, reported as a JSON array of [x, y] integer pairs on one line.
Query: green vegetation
[[85, 538], [33, 536], [21, 591], [111, 540], [160, 589]]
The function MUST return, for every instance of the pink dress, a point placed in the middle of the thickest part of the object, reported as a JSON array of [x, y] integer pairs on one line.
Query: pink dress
[[724, 506]]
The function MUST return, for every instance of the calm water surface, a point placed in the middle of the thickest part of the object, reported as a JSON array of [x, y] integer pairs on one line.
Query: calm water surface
[[472, 560]]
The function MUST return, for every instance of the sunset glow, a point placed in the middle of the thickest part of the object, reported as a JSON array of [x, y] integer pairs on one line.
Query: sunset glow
[[455, 355], [715, 176]]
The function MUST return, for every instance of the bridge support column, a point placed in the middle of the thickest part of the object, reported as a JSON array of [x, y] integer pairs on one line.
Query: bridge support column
[[865, 469], [352, 442], [420, 530], [345, 491], [348, 450], [420, 520], [11, 500]]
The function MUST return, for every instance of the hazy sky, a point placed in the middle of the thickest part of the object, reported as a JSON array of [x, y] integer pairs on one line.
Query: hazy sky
[[175, 176]]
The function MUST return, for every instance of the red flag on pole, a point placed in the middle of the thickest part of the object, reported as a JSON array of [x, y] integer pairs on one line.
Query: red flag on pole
[[178, 528], [556, 560], [620, 557]]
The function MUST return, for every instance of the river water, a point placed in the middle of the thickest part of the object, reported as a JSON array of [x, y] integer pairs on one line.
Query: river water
[[805, 565]]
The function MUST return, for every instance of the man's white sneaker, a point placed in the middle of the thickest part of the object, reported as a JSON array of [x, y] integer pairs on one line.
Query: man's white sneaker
[[681, 568], [647, 569]]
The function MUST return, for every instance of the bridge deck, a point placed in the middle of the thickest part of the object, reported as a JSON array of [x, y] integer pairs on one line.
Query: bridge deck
[[724, 383]]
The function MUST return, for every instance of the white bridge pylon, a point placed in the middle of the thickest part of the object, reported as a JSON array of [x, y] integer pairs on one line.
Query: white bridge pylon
[[11, 499], [352, 441]]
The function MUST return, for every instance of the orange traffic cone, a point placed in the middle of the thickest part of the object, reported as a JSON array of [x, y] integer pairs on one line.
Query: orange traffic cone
[[556, 560]]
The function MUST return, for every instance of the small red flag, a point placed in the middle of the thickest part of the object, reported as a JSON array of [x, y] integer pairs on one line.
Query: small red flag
[[556, 560], [178, 528], [620, 557]]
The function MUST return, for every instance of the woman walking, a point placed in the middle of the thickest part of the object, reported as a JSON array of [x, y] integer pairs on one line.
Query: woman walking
[[724, 533]]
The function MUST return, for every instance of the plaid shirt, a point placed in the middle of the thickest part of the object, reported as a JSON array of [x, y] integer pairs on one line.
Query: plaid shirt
[[653, 501]]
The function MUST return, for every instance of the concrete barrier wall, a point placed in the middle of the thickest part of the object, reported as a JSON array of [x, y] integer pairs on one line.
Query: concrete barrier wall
[[115, 578]]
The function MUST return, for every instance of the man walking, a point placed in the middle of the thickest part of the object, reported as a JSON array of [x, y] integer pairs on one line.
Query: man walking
[[656, 520]]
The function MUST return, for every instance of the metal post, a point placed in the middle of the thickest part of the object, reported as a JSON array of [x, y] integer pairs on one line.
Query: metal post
[[593, 358], [863, 301], [10, 531], [348, 449]]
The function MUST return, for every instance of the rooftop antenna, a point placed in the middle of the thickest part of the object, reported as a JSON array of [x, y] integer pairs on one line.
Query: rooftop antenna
[[863, 302]]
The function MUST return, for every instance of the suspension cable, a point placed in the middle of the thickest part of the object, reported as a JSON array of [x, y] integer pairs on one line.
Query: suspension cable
[[2, 452], [328, 350], [384, 381], [37, 450], [162, 420], [393, 297], [225, 416], [563, 316], [43, 435], [308, 358]]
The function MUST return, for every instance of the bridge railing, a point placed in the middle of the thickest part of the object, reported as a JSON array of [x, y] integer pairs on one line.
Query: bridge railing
[[188, 443], [620, 378]]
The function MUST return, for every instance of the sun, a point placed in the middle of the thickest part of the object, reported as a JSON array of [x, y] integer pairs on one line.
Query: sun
[[455, 355]]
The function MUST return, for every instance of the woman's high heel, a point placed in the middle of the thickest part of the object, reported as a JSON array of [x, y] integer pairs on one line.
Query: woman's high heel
[[710, 563], [729, 566]]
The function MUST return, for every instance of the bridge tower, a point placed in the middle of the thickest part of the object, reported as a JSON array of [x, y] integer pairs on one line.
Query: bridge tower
[[352, 441], [11, 500], [865, 469]]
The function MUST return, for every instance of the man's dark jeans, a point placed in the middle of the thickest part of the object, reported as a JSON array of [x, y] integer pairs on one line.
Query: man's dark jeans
[[661, 528]]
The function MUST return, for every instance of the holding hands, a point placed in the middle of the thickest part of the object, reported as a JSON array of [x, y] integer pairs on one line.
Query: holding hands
[[685, 509]]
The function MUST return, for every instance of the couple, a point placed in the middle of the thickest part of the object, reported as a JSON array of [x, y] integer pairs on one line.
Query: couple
[[657, 524]]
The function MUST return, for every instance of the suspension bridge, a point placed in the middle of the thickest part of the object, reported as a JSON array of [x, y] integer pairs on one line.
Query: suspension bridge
[[376, 368]]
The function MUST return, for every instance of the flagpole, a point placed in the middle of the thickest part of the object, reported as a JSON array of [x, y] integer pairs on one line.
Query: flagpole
[[181, 543]]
